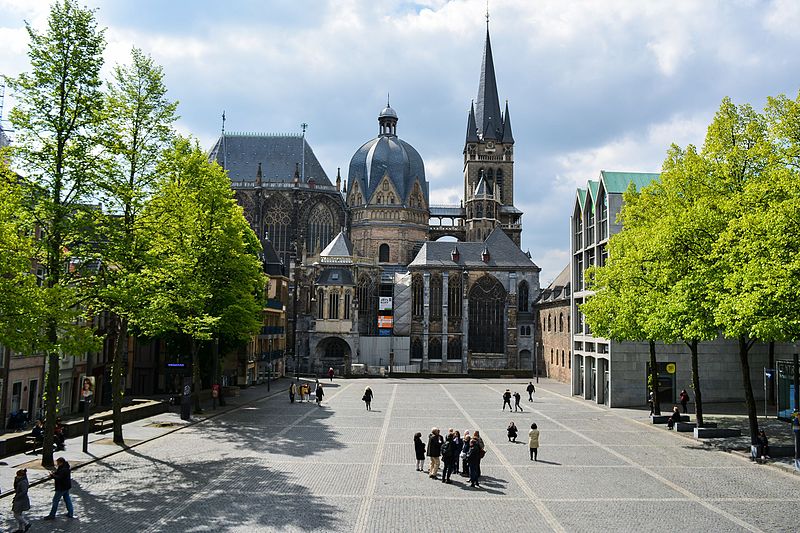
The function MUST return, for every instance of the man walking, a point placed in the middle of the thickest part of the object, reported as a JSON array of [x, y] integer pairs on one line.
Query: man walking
[[531, 389], [320, 394], [507, 399], [434, 451], [330, 373], [63, 482], [517, 398]]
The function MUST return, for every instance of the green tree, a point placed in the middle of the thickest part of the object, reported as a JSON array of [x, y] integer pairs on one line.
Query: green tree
[[136, 129], [58, 110], [203, 277]]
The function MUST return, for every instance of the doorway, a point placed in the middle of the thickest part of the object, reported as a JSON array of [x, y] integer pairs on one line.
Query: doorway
[[33, 396]]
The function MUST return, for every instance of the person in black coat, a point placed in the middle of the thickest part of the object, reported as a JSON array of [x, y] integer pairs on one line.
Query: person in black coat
[[762, 445], [320, 393], [435, 442], [473, 460], [674, 418], [449, 458], [63, 482], [517, 398], [507, 400], [512, 432], [367, 398], [459, 445], [531, 389], [419, 451]]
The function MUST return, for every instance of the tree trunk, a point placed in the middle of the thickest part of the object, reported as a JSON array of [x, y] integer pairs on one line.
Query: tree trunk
[[120, 332], [196, 383], [752, 417], [771, 382], [654, 379], [698, 397], [51, 400]]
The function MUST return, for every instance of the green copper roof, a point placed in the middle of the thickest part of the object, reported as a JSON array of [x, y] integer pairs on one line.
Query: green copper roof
[[581, 198], [594, 186], [617, 182]]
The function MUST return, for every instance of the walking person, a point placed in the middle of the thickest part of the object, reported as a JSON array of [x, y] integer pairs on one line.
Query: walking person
[[531, 389], [684, 399], [512, 432], [517, 397], [449, 458], [473, 460], [419, 451], [533, 442], [63, 482], [651, 400], [434, 452], [464, 450], [367, 398], [21, 502], [320, 393], [330, 373], [507, 399], [292, 391]]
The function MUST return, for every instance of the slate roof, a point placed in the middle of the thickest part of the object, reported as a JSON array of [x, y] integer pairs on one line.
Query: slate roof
[[335, 276], [490, 123], [272, 263], [559, 288], [617, 182], [279, 155], [340, 246], [503, 253]]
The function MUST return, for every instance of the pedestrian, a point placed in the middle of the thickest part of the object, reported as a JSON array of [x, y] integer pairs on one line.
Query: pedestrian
[[459, 444], [512, 432], [58, 436], [531, 389], [476, 436], [464, 450], [473, 460], [367, 398], [38, 432], [762, 448], [434, 451], [21, 502], [292, 391], [651, 399], [507, 399], [302, 390], [330, 373], [684, 399], [674, 418], [533, 442], [517, 397], [307, 392], [63, 483], [449, 458], [320, 393], [419, 451]]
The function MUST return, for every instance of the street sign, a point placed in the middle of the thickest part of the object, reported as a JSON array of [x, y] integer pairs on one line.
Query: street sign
[[385, 303]]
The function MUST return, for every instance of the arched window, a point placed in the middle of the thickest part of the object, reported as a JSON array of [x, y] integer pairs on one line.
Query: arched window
[[320, 229], [567, 323], [435, 349], [522, 330], [498, 180], [569, 359], [277, 219], [436, 297], [479, 210], [383, 253], [561, 322], [380, 199], [333, 305], [551, 356], [487, 300], [416, 348], [320, 304], [528, 330], [454, 296], [549, 323], [522, 297], [417, 296], [347, 305], [562, 358], [454, 349]]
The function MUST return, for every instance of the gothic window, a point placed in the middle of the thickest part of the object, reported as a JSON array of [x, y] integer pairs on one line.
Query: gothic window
[[347, 305], [549, 322], [391, 199], [562, 357], [434, 349], [487, 316], [551, 356], [383, 253], [320, 304], [522, 296], [380, 198], [320, 229], [454, 349], [454, 296], [561, 322], [416, 348], [385, 185], [567, 323], [277, 220], [333, 305], [367, 306], [479, 210], [569, 359], [498, 189], [417, 296], [490, 179], [436, 297]]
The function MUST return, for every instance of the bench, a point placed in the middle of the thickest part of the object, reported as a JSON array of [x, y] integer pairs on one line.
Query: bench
[[716, 433], [663, 419], [102, 423], [688, 427]]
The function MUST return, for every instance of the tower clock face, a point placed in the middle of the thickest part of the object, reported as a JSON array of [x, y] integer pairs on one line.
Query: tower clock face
[[490, 145]]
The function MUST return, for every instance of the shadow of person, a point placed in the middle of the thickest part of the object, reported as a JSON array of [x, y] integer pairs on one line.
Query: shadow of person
[[547, 462]]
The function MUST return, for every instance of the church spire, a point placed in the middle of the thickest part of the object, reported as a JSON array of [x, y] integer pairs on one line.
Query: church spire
[[487, 113], [508, 137], [472, 129]]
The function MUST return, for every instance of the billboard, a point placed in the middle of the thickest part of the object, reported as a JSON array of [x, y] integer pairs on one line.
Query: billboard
[[385, 303]]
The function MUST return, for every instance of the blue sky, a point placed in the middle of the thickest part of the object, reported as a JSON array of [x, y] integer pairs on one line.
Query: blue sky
[[591, 84]]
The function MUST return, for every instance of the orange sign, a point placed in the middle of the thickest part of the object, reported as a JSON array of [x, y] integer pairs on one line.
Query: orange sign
[[385, 321]]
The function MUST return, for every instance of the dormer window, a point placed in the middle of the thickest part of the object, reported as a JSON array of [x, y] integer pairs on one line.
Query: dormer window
[[485, 256], [454, 255]]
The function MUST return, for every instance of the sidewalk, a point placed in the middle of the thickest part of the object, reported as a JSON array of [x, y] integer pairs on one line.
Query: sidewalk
[[101, 445]]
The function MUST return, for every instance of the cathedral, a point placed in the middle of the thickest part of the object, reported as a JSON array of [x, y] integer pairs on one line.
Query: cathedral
[[382, 277]]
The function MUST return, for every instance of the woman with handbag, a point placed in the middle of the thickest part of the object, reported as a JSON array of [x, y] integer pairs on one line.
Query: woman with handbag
[[367, 398]]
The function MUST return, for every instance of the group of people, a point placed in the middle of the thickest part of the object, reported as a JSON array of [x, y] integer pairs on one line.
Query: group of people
[[21, 503], [59, 437], [305, 393], [517, 397], [455, 454]]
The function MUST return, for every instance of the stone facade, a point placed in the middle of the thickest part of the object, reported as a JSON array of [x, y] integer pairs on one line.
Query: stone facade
[[554, 325]]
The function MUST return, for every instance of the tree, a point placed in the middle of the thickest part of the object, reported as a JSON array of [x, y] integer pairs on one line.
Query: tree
[[56, 119], [203, 275], [136, 129]]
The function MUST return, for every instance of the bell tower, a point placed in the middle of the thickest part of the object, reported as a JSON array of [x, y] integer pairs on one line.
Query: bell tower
[[489, 161]]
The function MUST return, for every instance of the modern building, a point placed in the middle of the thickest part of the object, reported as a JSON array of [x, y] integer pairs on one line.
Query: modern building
[[615, 373], [554, 325]]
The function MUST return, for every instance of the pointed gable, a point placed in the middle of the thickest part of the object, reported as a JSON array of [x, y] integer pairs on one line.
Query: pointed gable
[[472, 129], [340, 246], [508, 137]]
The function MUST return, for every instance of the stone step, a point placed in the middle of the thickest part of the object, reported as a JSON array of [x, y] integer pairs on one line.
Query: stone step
[[716, 433]]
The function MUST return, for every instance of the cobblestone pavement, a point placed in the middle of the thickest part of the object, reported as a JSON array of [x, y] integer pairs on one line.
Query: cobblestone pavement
[[274, 466]]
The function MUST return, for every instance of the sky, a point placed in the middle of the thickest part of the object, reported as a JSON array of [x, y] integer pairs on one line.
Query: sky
[[592, 84]]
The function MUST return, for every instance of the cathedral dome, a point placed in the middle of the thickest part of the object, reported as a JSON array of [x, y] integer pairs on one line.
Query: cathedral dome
[[388, 155]]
